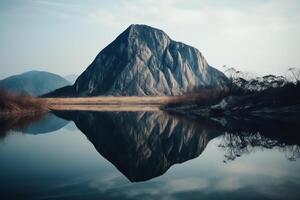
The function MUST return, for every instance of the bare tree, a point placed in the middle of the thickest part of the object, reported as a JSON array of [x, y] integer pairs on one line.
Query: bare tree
[[295, 74], [235, 145], [232, 74]]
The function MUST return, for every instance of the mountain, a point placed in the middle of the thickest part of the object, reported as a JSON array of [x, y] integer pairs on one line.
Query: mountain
[[144, 61], [71, 78], [34, 83]]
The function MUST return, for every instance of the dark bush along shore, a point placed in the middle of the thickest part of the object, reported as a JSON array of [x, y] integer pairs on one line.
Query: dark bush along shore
[[273, 101], [19, 104]]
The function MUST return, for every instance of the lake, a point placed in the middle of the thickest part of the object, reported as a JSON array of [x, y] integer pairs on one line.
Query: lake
[[150, 155]]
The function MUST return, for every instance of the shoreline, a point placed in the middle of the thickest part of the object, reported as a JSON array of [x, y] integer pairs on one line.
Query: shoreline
[[109, 103], [110, 100], [101, 103]]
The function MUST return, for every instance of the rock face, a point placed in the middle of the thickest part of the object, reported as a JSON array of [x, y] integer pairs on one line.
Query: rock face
[[145, 61], [34, 83]]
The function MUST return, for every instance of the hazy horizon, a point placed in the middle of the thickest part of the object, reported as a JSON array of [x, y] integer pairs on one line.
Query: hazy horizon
[[64, 37]]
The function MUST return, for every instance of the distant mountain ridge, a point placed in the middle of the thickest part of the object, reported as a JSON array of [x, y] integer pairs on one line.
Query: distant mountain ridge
[[144, 61], [33, 83]]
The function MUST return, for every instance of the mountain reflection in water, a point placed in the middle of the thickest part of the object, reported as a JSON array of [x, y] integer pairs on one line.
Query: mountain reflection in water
[[144, 145], [54, 159]]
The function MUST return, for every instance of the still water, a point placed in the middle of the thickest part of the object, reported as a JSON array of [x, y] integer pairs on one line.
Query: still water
[[150, 155]]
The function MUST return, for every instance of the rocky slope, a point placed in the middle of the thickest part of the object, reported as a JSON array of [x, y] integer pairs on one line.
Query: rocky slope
[[34, 83], [144, 61]]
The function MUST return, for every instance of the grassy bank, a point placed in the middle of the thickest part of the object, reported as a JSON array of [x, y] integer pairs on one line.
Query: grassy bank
[[17, 104], [109, 103]]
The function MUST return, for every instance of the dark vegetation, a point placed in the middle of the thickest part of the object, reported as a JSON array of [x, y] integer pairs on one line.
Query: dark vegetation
[[238, 144], [15, 104], [243, 134], [202, 96], [268, 94], [18, 111], [288, 95]]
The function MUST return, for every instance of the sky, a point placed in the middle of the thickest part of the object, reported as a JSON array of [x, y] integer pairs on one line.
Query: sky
[[64, 36]]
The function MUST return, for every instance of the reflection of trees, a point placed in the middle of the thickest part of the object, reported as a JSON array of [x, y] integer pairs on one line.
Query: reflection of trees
[[294, 74], [292, 152], [236, 145], [17, 123]]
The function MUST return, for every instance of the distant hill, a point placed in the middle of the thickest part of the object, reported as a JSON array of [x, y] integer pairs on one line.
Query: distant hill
[[71, 78], [34, 83], [144, 61]]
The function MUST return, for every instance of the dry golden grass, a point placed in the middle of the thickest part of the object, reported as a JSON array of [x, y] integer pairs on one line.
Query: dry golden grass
[[110, 100], [109, 103], [128, 103], [11, 103], [102, 103]]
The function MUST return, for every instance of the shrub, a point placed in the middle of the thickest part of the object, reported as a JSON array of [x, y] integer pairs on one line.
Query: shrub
[[202, 96], [18, 103]]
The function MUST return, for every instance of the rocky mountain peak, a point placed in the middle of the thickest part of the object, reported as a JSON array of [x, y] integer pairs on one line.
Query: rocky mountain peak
[[145, 61]]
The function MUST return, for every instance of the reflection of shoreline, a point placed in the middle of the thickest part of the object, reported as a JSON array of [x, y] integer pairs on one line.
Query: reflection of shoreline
[[31, 124], [144, 145], [282, 127], [242, 135], [17, 122], [237, 145]]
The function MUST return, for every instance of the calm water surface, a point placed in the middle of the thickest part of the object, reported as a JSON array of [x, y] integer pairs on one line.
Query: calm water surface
[[150, 155]]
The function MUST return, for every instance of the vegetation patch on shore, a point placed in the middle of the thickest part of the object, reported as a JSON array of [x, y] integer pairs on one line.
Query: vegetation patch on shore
[[19, 104], [275, 97]]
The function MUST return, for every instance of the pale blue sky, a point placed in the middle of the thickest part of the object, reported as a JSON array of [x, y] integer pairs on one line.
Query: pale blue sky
[[64, 36]]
